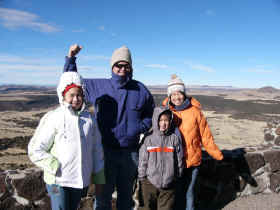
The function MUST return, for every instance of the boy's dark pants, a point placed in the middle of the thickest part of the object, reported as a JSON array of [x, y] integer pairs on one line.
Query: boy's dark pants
[[154, 198]]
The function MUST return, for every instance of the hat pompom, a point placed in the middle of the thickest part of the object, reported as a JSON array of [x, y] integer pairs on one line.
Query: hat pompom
[[174, 76], [175, 84]]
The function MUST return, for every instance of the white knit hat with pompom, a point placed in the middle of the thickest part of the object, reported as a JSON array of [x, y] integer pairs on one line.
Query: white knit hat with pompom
[[175, 84]]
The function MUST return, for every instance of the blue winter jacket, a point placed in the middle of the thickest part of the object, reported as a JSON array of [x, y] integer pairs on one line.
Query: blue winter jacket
[[123, 110]]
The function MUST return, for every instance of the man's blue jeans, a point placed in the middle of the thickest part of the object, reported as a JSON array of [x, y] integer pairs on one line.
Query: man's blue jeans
[[65, 198], [120, 173], [184, 199]]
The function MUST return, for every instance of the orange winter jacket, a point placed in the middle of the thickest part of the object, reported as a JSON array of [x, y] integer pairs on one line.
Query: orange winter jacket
[[195, 133]]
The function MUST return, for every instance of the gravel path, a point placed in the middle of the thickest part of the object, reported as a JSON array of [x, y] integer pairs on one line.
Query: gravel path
[[252, 202]]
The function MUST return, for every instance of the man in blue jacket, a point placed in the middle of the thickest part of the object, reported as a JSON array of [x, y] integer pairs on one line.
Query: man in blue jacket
[[124, 109]]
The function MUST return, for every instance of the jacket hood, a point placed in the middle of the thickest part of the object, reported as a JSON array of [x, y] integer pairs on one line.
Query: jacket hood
[[158, 111], [193, 102], [68, 78]]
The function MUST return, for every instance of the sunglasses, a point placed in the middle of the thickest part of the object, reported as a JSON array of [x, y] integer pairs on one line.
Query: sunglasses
[[119, 66]]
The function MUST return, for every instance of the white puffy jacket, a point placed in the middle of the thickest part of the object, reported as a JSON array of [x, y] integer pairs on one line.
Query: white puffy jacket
[[67, 145]]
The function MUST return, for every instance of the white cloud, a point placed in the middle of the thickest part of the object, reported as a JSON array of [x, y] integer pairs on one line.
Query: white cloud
[[78, 30], [42, 71], [13, 62], [199, 67], [6, 58], [11, 59], [34, 67], [202, 68], [91, 68], [101, 28], [94, 57], [157, 66], [260, 70], [13, 19], [29, 67]]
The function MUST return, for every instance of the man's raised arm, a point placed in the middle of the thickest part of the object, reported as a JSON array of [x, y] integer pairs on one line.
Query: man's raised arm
[[70, 59]]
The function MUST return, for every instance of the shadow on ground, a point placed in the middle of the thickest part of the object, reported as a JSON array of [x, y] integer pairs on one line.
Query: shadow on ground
[[219, 182]]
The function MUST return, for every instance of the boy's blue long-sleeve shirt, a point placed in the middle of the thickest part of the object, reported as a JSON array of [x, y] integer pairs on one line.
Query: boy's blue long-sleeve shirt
[[123, 112]]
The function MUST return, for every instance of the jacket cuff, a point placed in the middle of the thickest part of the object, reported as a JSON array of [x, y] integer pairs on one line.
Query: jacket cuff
[[142, 128], [99, 178], [53, 165]]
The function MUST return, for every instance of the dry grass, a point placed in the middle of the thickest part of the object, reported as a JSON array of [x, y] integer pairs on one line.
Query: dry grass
[[16, 128], [237, 119]]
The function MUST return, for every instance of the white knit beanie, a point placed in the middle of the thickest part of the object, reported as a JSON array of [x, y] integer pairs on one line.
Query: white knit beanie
[[121, 54], [175, 84]]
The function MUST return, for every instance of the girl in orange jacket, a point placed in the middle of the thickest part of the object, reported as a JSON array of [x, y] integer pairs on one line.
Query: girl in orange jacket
[[195, 133]]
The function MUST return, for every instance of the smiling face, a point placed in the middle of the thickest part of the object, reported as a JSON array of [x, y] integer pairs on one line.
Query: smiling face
[[177, 98], [74, 97], [164, 122], [121, 68]]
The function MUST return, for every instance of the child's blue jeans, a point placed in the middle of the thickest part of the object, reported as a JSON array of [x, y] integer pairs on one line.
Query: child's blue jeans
[[65, 198]]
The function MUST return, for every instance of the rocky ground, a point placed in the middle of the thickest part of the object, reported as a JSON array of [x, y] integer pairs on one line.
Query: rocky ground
[[252, 202], [236, 119], [235, 123]]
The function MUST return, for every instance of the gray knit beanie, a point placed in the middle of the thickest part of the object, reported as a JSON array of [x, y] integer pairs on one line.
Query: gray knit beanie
[[175, 84], [121, 54]]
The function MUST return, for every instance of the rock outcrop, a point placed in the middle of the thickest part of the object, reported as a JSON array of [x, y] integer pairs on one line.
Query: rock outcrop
[[244, 171]]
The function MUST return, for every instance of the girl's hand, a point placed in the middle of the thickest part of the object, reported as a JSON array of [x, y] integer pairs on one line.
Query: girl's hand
[[74, 50]]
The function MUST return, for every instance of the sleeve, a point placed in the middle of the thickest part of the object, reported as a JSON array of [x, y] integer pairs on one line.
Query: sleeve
[[180, 154], [207, 138], [70, 64], [98, 156], [147, 113], [143, 162], [40, 145], [90, 89]]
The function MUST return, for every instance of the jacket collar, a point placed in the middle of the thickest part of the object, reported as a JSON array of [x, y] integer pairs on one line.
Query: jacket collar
[[120, 82], [69, 107], [186, 104]]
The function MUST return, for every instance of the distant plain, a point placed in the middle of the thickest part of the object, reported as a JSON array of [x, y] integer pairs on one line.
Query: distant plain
[[237, 117]]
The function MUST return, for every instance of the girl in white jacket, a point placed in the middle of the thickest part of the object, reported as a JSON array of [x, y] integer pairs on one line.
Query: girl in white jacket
[[67, 146]]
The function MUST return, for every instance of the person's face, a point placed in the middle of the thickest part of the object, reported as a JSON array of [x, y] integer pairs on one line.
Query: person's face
[[121, 68], [164, 122], [74, 96], [177, 98]]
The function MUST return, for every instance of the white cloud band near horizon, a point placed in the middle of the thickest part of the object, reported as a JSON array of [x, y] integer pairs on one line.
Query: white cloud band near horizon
[[14, 19], [200, 67], [157, 66], [260, 70], [14, 59], [94, 57]]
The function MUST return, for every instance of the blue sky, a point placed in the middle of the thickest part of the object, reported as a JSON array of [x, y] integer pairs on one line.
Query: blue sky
[[205, 42]]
